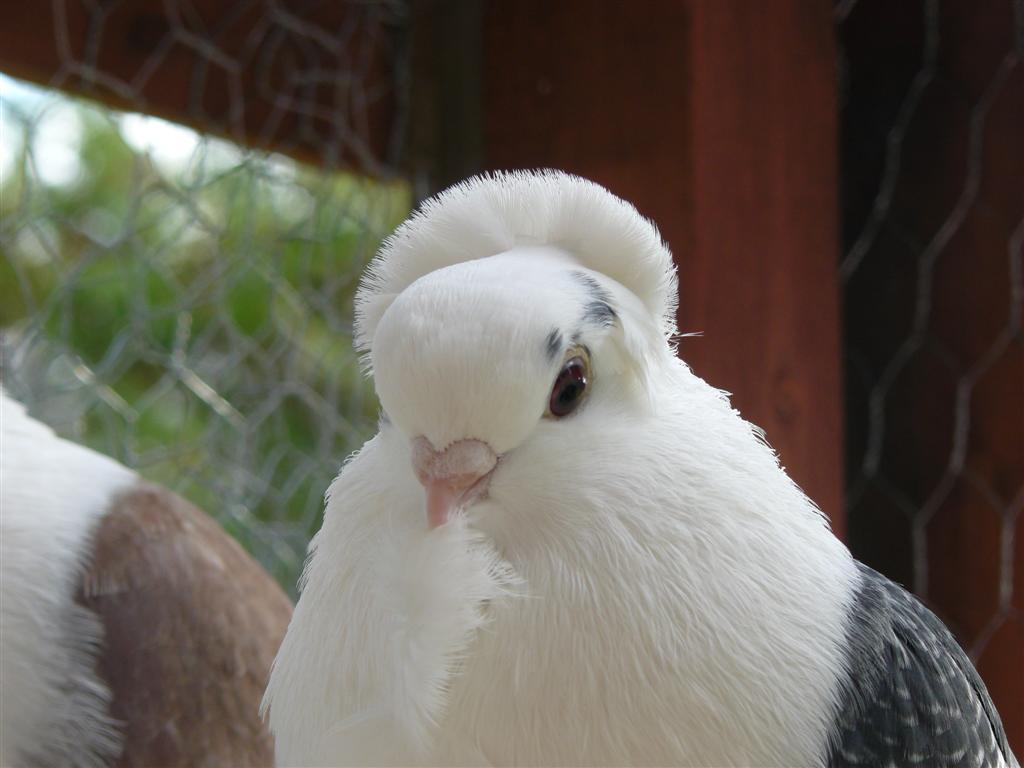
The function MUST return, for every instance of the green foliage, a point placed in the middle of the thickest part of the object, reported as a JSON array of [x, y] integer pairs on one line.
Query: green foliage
[[202, 309]]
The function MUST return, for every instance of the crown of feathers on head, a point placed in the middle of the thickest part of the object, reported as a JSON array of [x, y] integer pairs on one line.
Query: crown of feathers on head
[[493, 213]]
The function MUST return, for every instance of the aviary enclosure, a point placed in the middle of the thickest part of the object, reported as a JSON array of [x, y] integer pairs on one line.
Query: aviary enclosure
[[188, 200]]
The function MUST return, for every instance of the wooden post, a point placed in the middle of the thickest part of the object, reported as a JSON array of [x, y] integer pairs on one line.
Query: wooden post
[[718, 120]]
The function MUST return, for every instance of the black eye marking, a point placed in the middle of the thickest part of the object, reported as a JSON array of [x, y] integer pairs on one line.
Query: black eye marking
[[553, 345], [599, 313], [599, 310]]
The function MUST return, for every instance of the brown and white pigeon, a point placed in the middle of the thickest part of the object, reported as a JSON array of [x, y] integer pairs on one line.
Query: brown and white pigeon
[[564, 548], [133, 630]]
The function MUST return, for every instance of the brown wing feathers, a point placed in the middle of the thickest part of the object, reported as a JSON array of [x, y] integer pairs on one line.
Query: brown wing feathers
[[191, 626]]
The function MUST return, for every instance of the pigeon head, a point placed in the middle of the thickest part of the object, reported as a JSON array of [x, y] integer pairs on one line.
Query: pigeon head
[[515, 334], [462, 354]]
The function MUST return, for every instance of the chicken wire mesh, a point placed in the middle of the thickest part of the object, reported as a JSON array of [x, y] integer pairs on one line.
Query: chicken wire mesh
[[183, 303], [932, 100]]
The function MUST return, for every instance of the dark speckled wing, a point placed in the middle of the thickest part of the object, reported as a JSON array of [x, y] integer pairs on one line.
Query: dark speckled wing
[[913, 696]]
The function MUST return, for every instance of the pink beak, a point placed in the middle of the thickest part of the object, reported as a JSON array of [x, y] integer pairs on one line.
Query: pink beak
[[453, 478]]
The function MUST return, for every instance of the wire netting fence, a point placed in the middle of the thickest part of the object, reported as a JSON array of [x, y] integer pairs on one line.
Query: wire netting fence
[[932, 99], [183, 303]]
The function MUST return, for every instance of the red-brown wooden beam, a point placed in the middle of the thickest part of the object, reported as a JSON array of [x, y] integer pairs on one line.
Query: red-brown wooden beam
[[718, 120], [317, 83]]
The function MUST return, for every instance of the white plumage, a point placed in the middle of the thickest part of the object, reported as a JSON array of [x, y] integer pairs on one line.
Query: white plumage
[[54, 704], [641, 583]]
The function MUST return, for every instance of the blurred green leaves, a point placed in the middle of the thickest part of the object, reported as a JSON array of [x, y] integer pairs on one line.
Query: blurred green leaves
[[185, 306]]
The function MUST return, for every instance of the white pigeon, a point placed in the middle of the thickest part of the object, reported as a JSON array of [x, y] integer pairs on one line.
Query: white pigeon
[[564, 548]]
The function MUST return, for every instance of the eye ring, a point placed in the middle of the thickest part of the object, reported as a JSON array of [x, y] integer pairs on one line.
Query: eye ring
[[571, 385]]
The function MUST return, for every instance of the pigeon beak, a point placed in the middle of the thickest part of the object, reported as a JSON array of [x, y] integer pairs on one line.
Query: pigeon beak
[[445, 499], [453, 478]]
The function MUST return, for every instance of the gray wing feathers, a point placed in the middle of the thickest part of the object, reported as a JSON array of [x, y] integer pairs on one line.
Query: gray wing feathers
[[912, 697]]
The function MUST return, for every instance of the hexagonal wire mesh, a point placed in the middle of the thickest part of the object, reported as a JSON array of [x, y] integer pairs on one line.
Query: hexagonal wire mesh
[[183, 303], [933, 196]]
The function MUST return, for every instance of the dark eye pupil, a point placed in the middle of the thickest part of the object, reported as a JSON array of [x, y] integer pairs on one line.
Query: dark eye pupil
[[568, 388]]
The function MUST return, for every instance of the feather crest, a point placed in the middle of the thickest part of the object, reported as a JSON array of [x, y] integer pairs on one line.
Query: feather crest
[[492, 213]]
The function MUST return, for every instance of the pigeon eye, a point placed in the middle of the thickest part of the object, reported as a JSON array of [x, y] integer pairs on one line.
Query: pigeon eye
[[570, 386]]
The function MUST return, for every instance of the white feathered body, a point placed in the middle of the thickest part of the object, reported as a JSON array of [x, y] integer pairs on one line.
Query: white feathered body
[[615, 634], [52, 495], [643, 585]]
